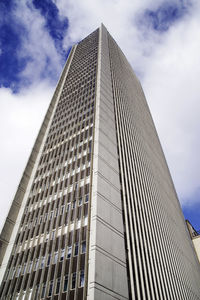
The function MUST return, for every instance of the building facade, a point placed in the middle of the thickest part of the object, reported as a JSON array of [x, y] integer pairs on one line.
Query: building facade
[[195, 236], [96, 215]]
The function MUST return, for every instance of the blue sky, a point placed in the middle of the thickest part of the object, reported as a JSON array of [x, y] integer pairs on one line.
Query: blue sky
[[13, 33], [159, 39]]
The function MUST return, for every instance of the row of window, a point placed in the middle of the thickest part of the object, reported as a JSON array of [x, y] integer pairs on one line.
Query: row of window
[[53, 288], [54, 164], [81, 84], [77, 116], [50, 259], [54, 213], [28, 234], [57, 131], [76, 196], [64, 181], [77, 105], [19, 258], [66, 132], [57, 152], [86, 71], [61, 171], [46, 190], [57, 177]]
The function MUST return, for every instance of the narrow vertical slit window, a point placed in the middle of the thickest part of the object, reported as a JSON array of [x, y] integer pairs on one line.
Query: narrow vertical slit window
[[65, 285], [76, 249], [81, 278], [83, 247], [43, 290], [58, 285], [73, 281], [50, 288], [69, 251]]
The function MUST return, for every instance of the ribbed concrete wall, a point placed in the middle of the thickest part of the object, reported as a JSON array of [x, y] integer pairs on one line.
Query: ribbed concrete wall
[[161, 260], [107, 265]]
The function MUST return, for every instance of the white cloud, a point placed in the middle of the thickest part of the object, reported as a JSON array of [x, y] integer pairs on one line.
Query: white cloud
[[37, 44], [172, 87], [21, 118]]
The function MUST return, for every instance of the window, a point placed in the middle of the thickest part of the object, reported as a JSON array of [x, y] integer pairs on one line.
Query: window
[[73, 283], [19, 270], [53, 235], [76, 249], [62, 209], [65, 283], [24, 269], [80, 201], [86, 198], [55, 257], [51, 215], [83, 247], [69, 251], [66, 218], [30, 266], [50, 288], [62, 254], [68, 206], [36, 264], [58, 286], [13, 273], [36, 292], [43, 290], [81, 278], [42, 262], [49, 259]]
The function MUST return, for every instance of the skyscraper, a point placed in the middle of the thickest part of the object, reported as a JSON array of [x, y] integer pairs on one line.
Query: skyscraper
[[96, 214]]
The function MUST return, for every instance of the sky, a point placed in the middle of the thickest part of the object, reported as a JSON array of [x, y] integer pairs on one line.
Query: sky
[[161, 40]]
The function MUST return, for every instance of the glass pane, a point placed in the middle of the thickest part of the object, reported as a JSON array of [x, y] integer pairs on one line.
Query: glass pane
[[83, 246], [65, 283], [73, 281], [81, 283], [58, 286]]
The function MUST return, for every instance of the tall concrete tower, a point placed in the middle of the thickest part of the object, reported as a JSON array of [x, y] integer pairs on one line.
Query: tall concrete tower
[[96, 215]]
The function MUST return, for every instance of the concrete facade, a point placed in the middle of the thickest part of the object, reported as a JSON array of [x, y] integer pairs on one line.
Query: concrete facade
[[107, 264], [195, 237], [196, 242], [98, 217]]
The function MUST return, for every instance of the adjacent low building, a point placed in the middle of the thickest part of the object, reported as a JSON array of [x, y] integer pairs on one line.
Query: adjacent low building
[[195, 236]]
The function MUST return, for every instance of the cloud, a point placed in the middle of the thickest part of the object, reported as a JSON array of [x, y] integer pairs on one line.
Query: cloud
[[166, 14], [172, 87], [45, 61], [55, 24], [31, 43], [21, 118]]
